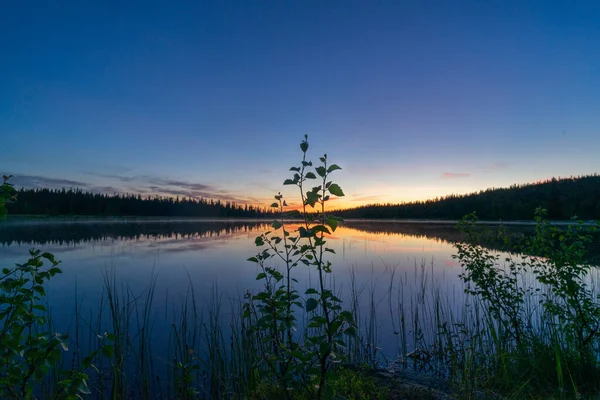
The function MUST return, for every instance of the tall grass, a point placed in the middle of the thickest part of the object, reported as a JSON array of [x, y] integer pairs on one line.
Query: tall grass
[[210, 353]]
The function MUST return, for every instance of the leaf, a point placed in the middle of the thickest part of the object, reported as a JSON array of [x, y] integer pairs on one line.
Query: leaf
[[310, 175], [297, 169], [320, 228], [321, 171], [260, 276], [332, 222], [276, 224], [332, 168], [335, 190], [259, 241], [350, 331], [62, 339], [253, 259], [107, 351], [83, 387], [311, 198], [289, 182], [304, 146], [311, 291], [311, 304], [275, 205]]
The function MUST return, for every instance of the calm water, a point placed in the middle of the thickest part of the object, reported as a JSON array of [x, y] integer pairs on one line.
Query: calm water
[[390, 263]]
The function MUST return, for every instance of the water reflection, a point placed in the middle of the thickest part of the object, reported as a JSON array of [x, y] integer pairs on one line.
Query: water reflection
[[76, 232], [70, 233], [388, 263]]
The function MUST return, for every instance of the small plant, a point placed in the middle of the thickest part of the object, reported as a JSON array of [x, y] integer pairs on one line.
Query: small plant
[[560, 263], [28, 350], [8, 194], [561, 344], [296, 364], [497, 285]]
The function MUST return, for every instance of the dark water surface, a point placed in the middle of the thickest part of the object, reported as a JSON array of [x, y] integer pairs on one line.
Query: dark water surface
[[389, 263]]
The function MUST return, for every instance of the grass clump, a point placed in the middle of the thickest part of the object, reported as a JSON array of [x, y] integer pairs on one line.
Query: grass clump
[[537, 337]]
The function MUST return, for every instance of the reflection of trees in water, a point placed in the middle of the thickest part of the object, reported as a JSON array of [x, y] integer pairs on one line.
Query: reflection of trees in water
[[449, 233], [76, 233]]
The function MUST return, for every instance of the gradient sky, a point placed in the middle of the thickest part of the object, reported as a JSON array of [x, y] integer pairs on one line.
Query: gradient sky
[[413, 99]]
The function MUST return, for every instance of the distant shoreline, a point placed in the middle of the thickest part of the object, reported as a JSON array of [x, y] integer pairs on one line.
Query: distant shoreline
[[11, 219]]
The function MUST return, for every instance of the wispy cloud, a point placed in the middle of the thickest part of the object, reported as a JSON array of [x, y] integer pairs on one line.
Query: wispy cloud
[[357, 197], [454, 175], [147, 184], [494, 167], [137, 184], [38, 181]]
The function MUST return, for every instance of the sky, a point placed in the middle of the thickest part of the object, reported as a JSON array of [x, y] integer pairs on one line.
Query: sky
[[413, 99]]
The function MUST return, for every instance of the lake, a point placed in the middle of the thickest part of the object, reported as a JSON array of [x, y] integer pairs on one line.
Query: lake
[[399, 279], [388, 263]]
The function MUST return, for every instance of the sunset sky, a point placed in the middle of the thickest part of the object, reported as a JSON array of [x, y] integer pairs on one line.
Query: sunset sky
[[413, 99]]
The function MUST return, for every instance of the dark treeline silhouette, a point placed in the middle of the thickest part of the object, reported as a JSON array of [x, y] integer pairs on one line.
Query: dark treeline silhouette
[[70, 233], [78, 202], [563, 198]]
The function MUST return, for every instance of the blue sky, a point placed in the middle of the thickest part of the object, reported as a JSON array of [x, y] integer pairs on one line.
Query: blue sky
[[211, 98]]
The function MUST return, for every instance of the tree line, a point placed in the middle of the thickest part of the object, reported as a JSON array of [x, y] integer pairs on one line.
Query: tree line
[[564, 199], [77, 202]]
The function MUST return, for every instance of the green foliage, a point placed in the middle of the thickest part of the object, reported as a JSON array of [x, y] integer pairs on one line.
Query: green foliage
[[497, 285], [344, 383], [560, 263], [357, 385], [294, 363], [561, 347], [7, 195], [27, 353], [28, 350]]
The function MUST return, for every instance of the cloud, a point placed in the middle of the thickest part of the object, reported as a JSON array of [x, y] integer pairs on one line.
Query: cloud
[[136, 184], [38, 181], [498, 166], [147, 184], [453, 175], [366, 198]]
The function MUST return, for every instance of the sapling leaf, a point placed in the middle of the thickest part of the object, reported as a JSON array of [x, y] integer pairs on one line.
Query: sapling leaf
[[335, 190], [333, 167], [311, 304]]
